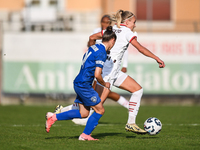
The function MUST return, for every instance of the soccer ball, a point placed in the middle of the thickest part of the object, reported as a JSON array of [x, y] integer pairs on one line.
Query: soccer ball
[[152, 125]]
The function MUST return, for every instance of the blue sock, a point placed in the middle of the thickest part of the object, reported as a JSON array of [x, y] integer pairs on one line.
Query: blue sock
[[92, 123], [68, 115]]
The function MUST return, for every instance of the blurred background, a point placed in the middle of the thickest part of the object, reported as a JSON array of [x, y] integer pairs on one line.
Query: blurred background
[[42, 43]]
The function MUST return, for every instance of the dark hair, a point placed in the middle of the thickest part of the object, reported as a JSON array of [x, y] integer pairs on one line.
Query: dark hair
[[106, 16], [108, 34]]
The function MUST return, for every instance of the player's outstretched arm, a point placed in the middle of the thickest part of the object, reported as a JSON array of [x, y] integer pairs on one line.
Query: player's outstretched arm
[[146, 52], [93, 38]]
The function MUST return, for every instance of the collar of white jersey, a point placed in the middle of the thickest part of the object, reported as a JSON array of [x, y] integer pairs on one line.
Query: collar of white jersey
[[121, 24]]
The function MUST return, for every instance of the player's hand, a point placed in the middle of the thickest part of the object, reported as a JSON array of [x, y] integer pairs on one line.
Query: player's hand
[[124, 69], [107, 85], [161, 63]]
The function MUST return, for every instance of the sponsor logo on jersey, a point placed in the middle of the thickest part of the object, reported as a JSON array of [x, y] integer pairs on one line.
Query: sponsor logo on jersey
[[117, 30]]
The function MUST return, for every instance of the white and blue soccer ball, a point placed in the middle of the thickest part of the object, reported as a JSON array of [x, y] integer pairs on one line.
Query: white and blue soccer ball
[[152, 125]]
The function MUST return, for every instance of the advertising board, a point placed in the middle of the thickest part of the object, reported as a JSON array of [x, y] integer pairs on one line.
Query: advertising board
[[48, 63]]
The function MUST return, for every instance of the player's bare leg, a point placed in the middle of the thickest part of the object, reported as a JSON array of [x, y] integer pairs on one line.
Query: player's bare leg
[[102, 91], [119, 99], [112, 95]]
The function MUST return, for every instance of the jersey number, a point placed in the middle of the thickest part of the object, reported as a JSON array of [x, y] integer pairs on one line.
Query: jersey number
[[87, 54]]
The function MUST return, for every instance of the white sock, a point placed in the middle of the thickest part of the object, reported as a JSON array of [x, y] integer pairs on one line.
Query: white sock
[[122, 101], [82, 121], [70, 107], [134, 105]]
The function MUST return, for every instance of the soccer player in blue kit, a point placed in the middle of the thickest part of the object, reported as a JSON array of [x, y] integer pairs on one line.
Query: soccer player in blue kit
[[92, 64]]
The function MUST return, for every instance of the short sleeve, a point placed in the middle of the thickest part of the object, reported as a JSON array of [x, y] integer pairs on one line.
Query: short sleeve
[[102, 32], [131, 35], [100, 59]]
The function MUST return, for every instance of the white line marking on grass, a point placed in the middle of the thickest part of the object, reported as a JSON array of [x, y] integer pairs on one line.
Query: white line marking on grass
[[18, 125], [106, 124], [168, 124], [195, 124]]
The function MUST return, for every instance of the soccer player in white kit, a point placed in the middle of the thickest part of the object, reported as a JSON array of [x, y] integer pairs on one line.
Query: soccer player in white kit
[[105, 22], [125, 23]]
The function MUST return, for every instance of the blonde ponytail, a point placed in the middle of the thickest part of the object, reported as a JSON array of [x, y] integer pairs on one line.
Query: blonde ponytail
[[118, 17], [121, 16]]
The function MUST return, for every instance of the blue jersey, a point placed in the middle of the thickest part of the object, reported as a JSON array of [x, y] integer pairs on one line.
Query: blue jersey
[[94, 57]]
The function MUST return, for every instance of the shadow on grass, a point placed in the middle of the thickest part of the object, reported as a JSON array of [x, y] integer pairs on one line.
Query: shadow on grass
[[62, 137], [102, 122], [99, 136], [102, 135], [56, 137]]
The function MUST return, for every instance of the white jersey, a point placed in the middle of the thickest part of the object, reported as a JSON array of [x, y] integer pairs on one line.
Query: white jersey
[[124, 37]]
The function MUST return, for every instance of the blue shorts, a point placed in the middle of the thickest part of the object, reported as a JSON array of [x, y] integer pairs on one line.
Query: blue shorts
[[86, 96]]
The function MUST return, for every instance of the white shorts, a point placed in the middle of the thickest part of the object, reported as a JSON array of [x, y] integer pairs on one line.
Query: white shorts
[[120, 79], [115, 81], [112, 74]]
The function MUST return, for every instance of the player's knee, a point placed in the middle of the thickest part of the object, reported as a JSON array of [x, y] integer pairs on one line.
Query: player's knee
[[139, 92], [84, 114], [101, 111], [138, 88]]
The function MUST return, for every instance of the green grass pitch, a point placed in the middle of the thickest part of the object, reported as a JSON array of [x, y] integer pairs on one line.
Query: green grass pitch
[[23, 128]]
